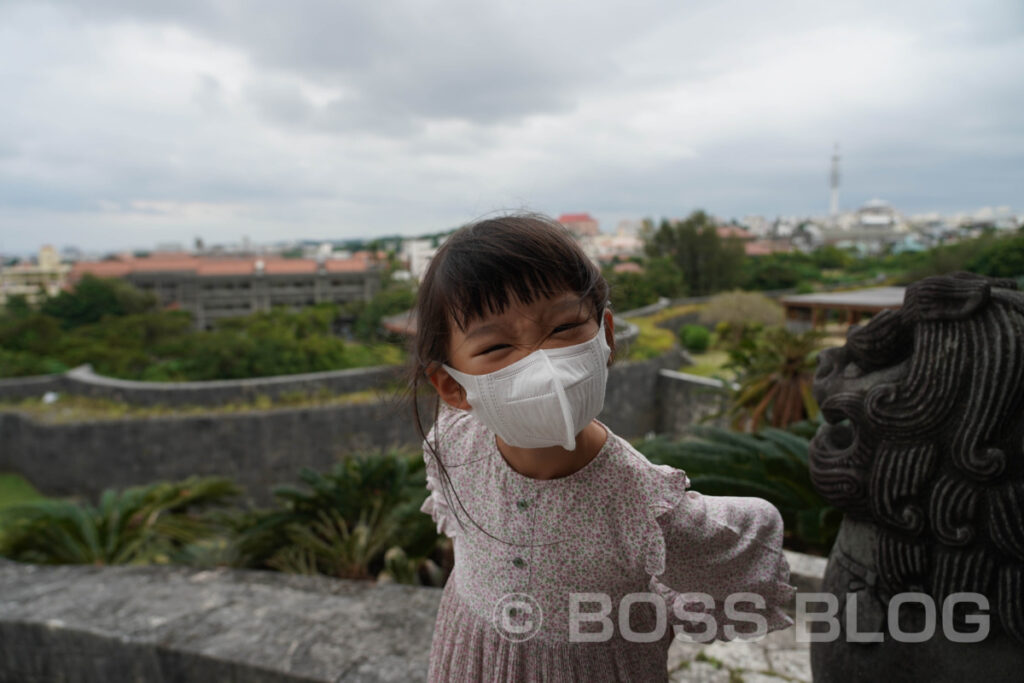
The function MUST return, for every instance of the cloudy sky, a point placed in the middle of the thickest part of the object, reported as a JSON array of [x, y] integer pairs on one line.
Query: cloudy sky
[[126, 123]]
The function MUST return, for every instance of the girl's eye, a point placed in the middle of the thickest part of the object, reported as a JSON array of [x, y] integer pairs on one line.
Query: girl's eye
[[496, 347], [565, 327]]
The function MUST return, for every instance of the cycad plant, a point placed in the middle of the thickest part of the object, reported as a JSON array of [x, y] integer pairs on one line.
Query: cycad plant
[[156, 523], [775, 372], [344, 521], [771, 464]]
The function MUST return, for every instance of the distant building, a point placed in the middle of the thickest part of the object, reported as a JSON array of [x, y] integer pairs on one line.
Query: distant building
[[608, 248], [34, 281], [734, 232], [766, 247], [878, 213], [581, 224], [628, 267], [805, 311], [215, 288], [417, 253]]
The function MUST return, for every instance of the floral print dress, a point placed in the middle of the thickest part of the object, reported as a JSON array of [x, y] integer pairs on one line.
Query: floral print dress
[[547, 572]]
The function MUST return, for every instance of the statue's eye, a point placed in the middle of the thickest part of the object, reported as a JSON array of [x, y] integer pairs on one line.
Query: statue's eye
[[852, 371]]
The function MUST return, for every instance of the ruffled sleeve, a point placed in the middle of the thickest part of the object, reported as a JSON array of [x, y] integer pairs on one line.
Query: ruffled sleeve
[[718, 546], [436, 504]]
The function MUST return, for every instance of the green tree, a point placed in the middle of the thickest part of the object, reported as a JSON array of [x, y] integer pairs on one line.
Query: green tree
[[629, 291], [828, 256], [710, 264], [94, 298], [1001, 258], [396, 298], [17, 306], [665, 277]]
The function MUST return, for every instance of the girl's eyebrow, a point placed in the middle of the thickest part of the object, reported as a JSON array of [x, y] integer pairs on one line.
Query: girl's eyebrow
[[488, 328]]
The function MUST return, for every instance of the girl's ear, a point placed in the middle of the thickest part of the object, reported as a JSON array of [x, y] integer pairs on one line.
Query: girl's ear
[[450, 391], [609, 332]]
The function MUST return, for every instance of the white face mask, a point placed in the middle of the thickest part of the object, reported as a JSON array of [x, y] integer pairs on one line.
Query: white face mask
[[544, 399]]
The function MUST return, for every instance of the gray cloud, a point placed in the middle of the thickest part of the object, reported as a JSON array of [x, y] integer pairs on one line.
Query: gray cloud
[[254, 117]]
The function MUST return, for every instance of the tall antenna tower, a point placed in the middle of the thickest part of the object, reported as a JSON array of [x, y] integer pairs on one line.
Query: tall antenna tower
[[834, 183]]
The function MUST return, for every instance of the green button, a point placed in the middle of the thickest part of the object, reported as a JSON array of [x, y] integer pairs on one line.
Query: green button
[[519, 562], [523, 504]]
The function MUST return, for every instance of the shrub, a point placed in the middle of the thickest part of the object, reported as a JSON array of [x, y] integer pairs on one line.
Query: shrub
[[155, 523], [695, 338], [742, 308], [345, 522]]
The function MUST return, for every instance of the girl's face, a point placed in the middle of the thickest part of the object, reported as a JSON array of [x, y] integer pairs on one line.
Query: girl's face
[[498, 340]]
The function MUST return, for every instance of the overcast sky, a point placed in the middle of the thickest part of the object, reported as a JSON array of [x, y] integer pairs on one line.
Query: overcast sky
[[126, 123]]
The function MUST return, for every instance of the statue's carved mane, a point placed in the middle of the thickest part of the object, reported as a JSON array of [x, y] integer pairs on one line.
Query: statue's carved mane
[[934, 455]]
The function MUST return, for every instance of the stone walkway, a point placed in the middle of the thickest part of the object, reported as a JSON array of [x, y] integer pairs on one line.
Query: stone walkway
[[776, 658]]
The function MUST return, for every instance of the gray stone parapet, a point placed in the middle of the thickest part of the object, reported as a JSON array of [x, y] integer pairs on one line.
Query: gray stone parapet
[[162, 623]]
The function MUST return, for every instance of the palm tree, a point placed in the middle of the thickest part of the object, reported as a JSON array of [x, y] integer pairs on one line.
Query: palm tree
[[775, 372]]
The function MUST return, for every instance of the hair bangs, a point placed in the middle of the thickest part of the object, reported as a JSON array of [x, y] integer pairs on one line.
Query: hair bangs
[[483, 289]]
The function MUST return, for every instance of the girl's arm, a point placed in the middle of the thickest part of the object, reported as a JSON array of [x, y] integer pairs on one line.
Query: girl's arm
[[719, 546]]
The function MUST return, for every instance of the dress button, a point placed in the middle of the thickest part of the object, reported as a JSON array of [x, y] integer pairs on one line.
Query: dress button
[[522, 504], [519, 562]]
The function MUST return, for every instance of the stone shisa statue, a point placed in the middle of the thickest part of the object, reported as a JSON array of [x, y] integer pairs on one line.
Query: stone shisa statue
[[923, 451]]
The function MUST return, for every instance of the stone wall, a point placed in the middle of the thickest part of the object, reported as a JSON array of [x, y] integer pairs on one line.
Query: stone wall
[[263, 449], [258, 450], [685, 400], [82, 381]]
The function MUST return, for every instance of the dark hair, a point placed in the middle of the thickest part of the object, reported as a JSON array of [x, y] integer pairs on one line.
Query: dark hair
[[481, 269]]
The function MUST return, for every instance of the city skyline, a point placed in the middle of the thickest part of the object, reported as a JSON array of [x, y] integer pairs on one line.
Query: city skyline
[[129, 126]]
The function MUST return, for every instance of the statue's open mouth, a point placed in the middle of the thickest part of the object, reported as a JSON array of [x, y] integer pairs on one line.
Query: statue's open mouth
[[837, 438]]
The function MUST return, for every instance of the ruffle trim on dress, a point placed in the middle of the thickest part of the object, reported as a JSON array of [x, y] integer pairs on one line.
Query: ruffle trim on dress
[[667, 490], [437, 507], [775, 617]]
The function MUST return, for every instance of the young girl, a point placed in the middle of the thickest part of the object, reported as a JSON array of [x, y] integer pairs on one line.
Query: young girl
[[572, 550]]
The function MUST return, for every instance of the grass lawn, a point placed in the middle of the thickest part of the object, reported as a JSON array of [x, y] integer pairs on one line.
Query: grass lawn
[[708, 364], [15, 489], [69, 408]]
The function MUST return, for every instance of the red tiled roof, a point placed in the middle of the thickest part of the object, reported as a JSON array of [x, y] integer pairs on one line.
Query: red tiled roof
[[99, 269], [575, 218], [349, 265], [206, 267], [727, 231], [284, 266], [164, 264], [225, 267], [628, 267], [765, 247]]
